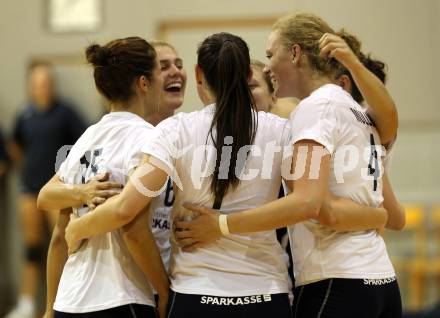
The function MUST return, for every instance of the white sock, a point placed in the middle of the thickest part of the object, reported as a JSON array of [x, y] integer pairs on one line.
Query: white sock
[[26, 304]]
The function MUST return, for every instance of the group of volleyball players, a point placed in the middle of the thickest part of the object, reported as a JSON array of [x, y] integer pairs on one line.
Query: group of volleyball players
[[220, 170]]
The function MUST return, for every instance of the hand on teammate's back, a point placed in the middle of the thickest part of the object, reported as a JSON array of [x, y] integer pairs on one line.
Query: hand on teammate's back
[[198, 232], [98, 189]]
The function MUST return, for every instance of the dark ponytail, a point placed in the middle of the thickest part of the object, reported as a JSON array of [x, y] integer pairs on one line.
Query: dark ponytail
[[225, 62], [118, 63]]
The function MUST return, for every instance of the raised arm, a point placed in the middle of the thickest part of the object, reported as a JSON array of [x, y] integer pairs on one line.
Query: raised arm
[[382, 107], [56, 195], [121, 209]]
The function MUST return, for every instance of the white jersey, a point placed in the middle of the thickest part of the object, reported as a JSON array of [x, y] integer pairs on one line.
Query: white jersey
[[235, 265], [388, 159], [161, 222], [332, 118], [102, 274]]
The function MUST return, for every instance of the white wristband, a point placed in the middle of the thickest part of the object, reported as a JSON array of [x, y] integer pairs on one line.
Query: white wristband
[[223, 223]]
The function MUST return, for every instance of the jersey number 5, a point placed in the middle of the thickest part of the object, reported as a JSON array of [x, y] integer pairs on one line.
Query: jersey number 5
[[88, 160]]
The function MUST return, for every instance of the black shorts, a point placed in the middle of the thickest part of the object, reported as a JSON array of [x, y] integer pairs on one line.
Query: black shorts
[[129, 311], [348, 298], [204, 306]]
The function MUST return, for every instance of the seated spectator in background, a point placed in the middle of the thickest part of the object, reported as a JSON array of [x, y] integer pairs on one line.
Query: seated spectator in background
[[45, 125]]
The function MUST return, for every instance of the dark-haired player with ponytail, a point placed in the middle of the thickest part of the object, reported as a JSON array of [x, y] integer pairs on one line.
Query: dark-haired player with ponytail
[[240, 276], [109, 275], [338, 273]]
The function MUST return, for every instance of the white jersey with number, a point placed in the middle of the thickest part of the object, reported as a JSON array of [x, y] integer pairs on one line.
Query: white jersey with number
[[161, 222], [102, 274], [332, 118], [235, 265]]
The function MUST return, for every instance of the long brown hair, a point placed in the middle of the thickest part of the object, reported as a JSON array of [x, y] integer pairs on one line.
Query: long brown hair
[[225, 62]]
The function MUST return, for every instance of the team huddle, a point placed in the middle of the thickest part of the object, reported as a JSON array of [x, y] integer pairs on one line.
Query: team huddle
[[164, 215]]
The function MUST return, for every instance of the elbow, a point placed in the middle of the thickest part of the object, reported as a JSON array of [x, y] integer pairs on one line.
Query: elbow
[[41, 200], [398, 223], [40, 203], [396, 226], [400, 226], [388, 134], [58, 239], [387, 137]]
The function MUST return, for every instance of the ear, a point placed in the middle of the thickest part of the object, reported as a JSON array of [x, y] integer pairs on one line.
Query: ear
[[345, 82], [199, 75], [143, 83], [296, 53]]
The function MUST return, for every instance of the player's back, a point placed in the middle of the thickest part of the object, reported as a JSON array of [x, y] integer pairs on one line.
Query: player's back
[[102, 273], [237, 264]]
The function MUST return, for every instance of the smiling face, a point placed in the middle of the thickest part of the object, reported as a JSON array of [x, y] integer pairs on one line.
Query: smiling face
[[264, 99], [280, 66], [174, 77]]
